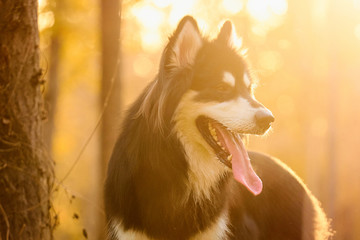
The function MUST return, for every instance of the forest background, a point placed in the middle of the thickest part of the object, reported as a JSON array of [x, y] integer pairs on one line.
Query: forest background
[[306, 54]]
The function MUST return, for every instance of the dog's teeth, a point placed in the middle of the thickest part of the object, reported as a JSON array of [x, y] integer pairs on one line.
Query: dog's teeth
[[215, 137], [213, 132], [223, 148], [229, 157]]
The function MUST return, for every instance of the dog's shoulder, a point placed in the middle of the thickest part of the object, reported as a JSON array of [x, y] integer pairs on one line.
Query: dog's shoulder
[[285, 206]]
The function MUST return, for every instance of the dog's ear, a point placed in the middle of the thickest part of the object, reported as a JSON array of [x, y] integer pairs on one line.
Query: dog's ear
[[185, 43], [227, 35]]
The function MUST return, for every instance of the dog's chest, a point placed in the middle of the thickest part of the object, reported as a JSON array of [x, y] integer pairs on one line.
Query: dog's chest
[[217, 231]]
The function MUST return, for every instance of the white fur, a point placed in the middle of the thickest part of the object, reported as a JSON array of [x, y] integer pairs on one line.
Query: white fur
[[238, 115], [117, 230], [217, 231], [247, 80], [204, 167], [229, 79]]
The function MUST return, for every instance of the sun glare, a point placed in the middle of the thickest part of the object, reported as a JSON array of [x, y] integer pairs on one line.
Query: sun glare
[[149, 16], [203, 25], [42, 4], [46, 20], [270, 61], [233, 6], [258, 10], [356, 4], [151, 40], [162, 3], [357, 31], [179, 9], [262, 10], [278, 7]]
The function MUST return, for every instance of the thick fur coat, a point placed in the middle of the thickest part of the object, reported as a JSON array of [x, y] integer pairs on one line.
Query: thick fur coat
[[179, 169]]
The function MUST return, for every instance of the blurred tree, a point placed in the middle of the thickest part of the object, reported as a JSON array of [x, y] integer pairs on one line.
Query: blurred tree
[[52, 83], [110, 86], [26, 173]]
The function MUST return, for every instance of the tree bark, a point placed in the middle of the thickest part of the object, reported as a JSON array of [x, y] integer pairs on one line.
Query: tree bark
[[110, 87], [26, 173]]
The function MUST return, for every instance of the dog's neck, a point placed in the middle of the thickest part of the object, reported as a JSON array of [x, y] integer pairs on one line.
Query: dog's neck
[[205, 170], [187, 190]]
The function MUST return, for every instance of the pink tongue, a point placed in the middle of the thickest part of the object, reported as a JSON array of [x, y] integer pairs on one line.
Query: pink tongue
[[242, 169]]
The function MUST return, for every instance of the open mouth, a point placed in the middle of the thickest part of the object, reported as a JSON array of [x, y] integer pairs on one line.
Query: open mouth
[[230, 151], [209, 130]]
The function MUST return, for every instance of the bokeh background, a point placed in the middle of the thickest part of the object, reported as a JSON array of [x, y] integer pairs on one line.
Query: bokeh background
[[306, 54]]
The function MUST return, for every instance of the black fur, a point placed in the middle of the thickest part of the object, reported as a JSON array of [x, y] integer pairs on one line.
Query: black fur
[[147, 174]]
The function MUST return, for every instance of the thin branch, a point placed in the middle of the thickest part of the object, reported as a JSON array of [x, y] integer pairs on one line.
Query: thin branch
[[106, 102], [6, 222]]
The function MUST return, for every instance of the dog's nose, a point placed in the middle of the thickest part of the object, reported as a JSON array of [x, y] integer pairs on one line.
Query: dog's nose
[[264, 119]]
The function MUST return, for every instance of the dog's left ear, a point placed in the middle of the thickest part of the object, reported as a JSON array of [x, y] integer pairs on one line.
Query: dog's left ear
[[185, 43], [228, 35]]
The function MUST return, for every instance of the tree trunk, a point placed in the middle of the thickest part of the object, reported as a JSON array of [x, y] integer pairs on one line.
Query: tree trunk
[[110, 87], [26, 173]]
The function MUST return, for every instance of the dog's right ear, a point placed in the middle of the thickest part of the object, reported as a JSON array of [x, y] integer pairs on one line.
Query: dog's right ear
[[227, 36], [184, 44]]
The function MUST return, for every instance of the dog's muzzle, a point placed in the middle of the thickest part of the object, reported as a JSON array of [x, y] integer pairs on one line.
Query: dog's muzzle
[[263, 119]]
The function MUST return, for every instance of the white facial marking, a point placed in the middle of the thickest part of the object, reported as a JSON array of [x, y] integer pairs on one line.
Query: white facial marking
[[236, 114], [204, 167], [247, 80], [229, 79]]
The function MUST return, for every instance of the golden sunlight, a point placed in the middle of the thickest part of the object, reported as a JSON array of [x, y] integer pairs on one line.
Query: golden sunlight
[[278, 7], [258, 9], [263, 10], [149, 16], [179, 9], [162, 3], [46, 20], [151, 40], [285, 105], [319, 126], [42, 4], [270, 61], [150, 19], [203, 25], [233, 6], [142, 65], [357, 31]]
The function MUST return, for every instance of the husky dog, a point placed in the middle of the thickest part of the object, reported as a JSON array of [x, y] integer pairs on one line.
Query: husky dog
[[180, 170]]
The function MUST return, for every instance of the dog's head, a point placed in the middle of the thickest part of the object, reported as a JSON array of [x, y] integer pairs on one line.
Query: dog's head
[[205, 90]]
